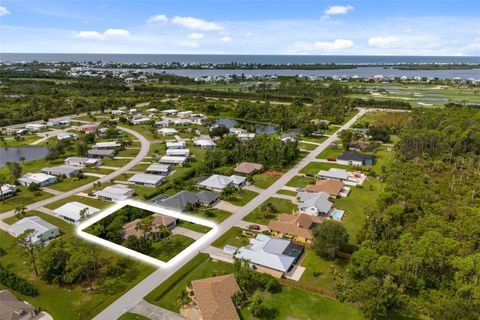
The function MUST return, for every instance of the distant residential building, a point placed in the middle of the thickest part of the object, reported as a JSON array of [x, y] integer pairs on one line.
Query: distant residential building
[[117, 112], [182, 199], [107, 145], [152, 110], [41, 179], [178, 152], [36, 126], [296, 227], [91, 127], [101, 153], [169, 112], [269, 254], [130, 229], [63, 171], [219, 182], [184, 114], [147, 180], [72, 211], [167, 131], [67, 136], [204, 144], [172, 160], [143, 120], [354, 158], [83, 162], [176, 145], [347, 177], [43, 231], [161, 123], [315, 204], [245, 136], [214, 297], [7, 191], [117, 192], [157, 168], [248, 167], [291, 137], [12, 308]]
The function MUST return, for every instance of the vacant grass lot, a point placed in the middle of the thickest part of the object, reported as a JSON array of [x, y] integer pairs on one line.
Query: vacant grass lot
[[316, 139], [300, 181], [330, 152], [314, 167], [307, 146], [234, 237], [319, 272], [282, 206], [22, 198], [263, 180], [73, 183], [287, 192], [169, 248], [242, 197]]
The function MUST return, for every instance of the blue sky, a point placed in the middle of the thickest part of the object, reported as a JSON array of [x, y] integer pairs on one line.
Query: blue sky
[[388, 27]]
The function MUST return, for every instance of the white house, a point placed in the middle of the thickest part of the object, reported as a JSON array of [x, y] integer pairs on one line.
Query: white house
[[167, 131], [72, 211], [314, 203], [43, 231], [176, 145], [117, 112], [152, 110], [219, 182], [141, 120], [147, 180], [7, 191], [204, 144], [36, 126], [157, 168], [184, 114], [178, 152], [169, 111], [67, 136], [62, 171], [41, 179], [83, 162], [172, 160], [117, 192], [245, 136], [107, 145]]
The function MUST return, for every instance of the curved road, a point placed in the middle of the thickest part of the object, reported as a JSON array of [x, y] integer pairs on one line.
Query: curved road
[[145, 147], [136, 294]]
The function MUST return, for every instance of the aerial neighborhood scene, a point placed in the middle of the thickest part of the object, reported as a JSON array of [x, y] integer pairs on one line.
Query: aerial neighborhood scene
[[296, 160]]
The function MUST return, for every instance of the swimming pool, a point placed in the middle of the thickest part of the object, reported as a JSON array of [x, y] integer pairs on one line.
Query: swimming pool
[[337, 214]]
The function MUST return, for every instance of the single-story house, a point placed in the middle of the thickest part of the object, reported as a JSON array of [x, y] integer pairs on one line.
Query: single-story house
[[290, 137], [269, 254], [41, 179], [130, 229], [161, 123], [72, 211], [117, 192], [248, 167], [182, 199], [117, 112], [107, 145], [157, 168], [296, 227], [214, 297], [147, 180], [12, 308], [315, 204], [204, 144], [172, 160], [36, 126], [133, 111], [332, 187], [178, 152], [152, 110], [169, 111], [141, 120], [63, 171], [348, 178], [67, 136], [219, 182], [354, 158], [181, 122], [90, 127], [82, 162], [245, 136], [167, 131], [7, 191], [101, 153], [176, 145], [184, 114], [43, 231]]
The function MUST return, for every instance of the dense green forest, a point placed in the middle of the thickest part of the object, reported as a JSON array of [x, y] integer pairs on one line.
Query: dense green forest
[[419, 250]]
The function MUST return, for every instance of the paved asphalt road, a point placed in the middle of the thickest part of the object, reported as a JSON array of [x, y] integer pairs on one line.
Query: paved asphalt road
[[145, 146], [136, 294]]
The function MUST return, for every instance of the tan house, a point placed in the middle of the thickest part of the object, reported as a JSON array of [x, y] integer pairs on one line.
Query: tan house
[[13, 309], [332, 187], [214, 297], [129, 229], [248, 167], [295, 227]]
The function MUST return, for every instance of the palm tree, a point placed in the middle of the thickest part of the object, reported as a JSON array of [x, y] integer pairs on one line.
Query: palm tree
[[20, 212]]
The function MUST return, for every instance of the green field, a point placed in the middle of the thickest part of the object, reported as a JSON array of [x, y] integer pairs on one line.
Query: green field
[[307, 146], [73, 183], [287, 192], [169, 248], [263, 180], [321, 273], [233, 236], [242, 197], [22, 198], [282, 206], [330, 152], [300, 181]]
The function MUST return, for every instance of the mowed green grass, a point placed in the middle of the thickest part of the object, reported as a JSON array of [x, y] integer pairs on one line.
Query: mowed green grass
[[233, 237], [73, 183], [300, 181], [99, 204], [320, 272], [282, 206], [263, 180], [307, 146], [330, 152], [22, 198], [242, 197], [169, 248]]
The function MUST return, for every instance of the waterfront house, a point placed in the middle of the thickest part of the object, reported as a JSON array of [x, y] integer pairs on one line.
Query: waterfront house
[[63, 171], [40, 179]]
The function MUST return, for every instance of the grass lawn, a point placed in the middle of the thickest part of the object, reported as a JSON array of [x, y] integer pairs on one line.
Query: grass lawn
[[76, 302], [315, 139], [282, 205], [88, 201], [132, 316], [314, 167], [70, 184], [300, 181], [242, 197], [234, 237], [98, 170], [193, 226], [287, 192], [263, 180], [167, 249], [129, 152], [216, 215], [299, 304], [22, 198], [330, 152], [384, 159], [307, 146], [355, 204], [199, 267], [325, 268], [115, 162]]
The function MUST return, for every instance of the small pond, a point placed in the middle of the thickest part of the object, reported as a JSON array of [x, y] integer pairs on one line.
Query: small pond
[[259, 128], [13, 154]]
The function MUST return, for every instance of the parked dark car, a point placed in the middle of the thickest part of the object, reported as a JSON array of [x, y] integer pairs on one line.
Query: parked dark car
[[331, 159], [309, 175], [254, 227]]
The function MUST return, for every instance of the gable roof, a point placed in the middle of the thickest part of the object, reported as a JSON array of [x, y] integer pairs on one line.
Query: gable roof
[[35, 223], [146, 178], [297, 225], [158, 220], [332, 187], [218, 181], [318, 200], [11, 308], [214, 297], [248, 167], [180, 200]]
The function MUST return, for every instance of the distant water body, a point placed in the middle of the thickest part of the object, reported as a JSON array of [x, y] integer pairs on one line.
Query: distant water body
[[268, 59]]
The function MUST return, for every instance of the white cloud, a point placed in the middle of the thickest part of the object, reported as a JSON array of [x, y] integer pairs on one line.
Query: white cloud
[[226, 39], [333, 10], [109, 33], [196, 36], [159, 18], [4, 11], [384, 42], [189, 44], [338, 44], [196, 24]]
